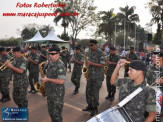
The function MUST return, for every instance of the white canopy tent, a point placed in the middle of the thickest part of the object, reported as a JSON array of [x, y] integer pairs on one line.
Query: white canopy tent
[[52, 37], [36, 38]]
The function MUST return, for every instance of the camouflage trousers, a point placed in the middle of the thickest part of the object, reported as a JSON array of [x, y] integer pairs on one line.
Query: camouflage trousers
[[4, 86], [92, 92], [33, 78], [55, 105], [75, 78], [110, 88], [20, 96]]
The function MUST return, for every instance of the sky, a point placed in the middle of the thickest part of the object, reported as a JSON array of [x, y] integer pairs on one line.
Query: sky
[[9, 25]]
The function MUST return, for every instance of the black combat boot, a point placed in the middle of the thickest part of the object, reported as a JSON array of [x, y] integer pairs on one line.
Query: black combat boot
[[112, 97], [2, 98], [88, 108], [76, 90], [94, 111], [108, 97], [6, 99]]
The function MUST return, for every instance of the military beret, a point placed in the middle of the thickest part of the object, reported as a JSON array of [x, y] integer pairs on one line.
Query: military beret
[[17, 49], [138, 65], [63, 47], [132, 48], [93, 41], [112, 48], [55, 48], [54, 45], [79, 45], [77, 48], [8, 49], [34, 48], [2, 49]]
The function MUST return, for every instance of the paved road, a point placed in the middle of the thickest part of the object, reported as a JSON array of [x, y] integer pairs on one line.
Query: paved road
[[73, 104]]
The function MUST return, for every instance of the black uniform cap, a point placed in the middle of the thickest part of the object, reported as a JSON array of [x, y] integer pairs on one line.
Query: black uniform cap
[[138, 65], [132, 48], [33, 48], [55, 48], [8, 49], [93, 41], [63, 47], [77, 48], [17, 49], [2, 49], [112, 48]]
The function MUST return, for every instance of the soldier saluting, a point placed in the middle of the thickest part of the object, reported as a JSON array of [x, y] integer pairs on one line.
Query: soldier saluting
[[20, 81], [145, 100], [95, 63]]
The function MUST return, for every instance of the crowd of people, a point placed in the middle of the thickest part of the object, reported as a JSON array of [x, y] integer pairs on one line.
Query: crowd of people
[[141, 70]]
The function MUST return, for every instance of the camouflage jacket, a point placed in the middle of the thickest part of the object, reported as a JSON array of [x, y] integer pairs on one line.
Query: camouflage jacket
[[7, 72], [64, 56], [132, 56], [55, 70], [96, 57], [20, 80], [144, 101], [33, 68], [45, 53], [111, 67], [153, 73], [78, 57]]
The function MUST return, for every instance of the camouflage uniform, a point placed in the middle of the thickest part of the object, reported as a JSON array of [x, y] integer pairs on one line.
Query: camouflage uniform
[[55, 92], [33, 70], [144, 101], [42, 59], [77, 70], [64, 57], [96, 75], [68, 57], [131, 56], [20, 83], [5, 77], [111, 88], [152, 74]]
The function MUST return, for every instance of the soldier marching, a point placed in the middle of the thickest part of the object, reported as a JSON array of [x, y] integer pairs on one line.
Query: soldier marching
[[56, 76]]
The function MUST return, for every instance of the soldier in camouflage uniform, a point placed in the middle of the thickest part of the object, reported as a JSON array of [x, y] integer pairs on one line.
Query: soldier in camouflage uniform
[[95, 63], [64, 56], [5, 76], [78, 60], [111, 62], [155, 71], [55, 90], [145, 100], [20, 81], [33, 64], [130, 57], [43, 54], [68, 57]]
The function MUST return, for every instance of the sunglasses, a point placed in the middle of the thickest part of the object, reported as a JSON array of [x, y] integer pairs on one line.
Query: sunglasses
[[91, 45], [53, 53]]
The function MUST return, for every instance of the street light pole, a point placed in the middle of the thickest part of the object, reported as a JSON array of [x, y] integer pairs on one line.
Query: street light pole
[[124, 34], [115, 35], [135, 37]]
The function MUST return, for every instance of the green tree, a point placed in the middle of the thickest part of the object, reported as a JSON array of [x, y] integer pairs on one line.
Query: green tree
[[65, 19], [127, 17], [107, 25]]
